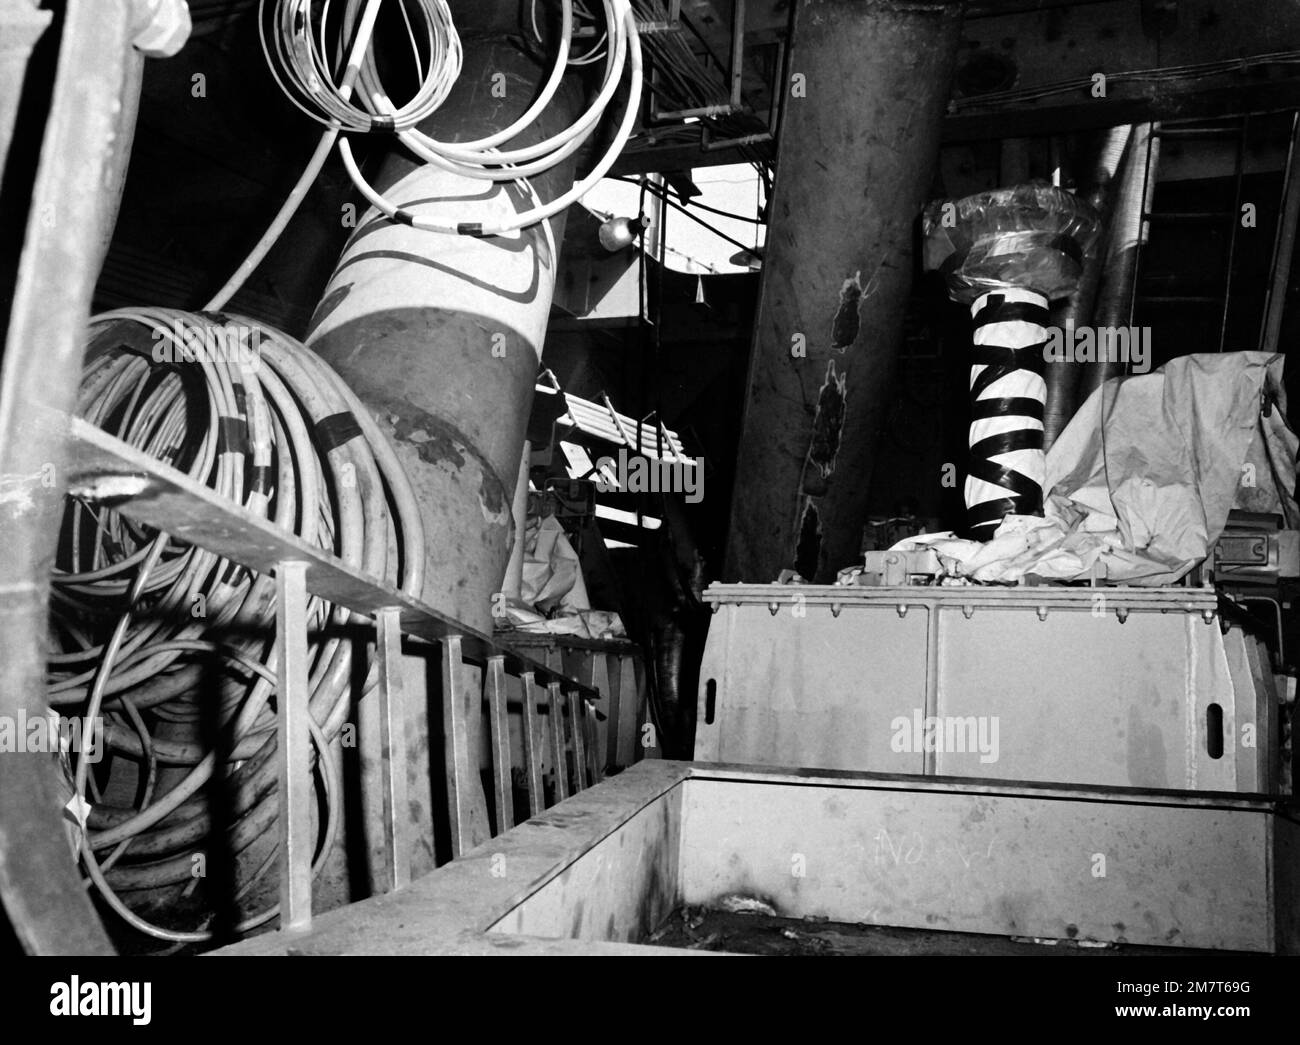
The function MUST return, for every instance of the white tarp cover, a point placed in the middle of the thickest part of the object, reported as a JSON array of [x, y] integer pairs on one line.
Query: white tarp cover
[[1140, 483]]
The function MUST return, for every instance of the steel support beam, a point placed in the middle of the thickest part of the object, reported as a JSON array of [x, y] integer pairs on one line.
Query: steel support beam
[[92, 113], [859, 141]]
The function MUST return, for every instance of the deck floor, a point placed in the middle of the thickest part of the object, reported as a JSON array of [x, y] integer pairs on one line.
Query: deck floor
[[698, 928]]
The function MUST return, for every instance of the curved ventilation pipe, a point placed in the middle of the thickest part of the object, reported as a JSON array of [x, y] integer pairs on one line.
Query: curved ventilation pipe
[[441, 336]]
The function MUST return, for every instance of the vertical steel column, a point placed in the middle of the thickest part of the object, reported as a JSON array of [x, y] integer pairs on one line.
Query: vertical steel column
[[532, 731], [858, 144], [461, 775], [392, 740], [555, 708], [500, 733], [293, 709], [91, 116]]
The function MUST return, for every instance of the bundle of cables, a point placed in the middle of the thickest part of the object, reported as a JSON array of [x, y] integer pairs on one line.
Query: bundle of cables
[[170, 648], [321, 63]]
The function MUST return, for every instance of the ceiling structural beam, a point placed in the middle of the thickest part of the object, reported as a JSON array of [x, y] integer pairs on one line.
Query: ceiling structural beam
[[1189, 101], [859, 142]]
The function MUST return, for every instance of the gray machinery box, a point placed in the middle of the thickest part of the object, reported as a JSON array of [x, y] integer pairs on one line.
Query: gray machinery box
[[1119, 686]]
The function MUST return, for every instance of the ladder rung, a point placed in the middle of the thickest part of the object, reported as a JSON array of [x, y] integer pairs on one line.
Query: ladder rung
[[1190, 215], [1199, 132]]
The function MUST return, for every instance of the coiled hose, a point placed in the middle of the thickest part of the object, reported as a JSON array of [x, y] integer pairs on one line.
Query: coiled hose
[[138, 619]]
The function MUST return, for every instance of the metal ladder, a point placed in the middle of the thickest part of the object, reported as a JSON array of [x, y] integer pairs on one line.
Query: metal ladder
[[1238, 132]]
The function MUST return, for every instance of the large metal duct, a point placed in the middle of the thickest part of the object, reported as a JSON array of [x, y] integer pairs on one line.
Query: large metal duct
[[1062, 375], [441, 337], [1129, 230], [858, 144]]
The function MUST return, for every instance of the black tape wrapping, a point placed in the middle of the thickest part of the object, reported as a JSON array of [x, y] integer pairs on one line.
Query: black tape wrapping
[[1025, 495], [337, 429], [232, 435], [260, 478]]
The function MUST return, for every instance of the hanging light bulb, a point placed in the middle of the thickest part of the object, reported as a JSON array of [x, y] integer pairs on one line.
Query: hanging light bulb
[[617, 233], [751, 259]]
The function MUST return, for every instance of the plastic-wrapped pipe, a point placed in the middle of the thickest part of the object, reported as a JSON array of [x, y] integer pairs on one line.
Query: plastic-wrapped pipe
[[1008, 253], [1007, 395]]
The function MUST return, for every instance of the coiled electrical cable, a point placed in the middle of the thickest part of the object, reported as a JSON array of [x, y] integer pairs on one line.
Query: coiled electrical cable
[[299, 43], [157, 636]]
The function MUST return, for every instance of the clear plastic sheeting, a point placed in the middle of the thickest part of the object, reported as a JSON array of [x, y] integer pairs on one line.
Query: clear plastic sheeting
[[1141, 481], [1032, 236]]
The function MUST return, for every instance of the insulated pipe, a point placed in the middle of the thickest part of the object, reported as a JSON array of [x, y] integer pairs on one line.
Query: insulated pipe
[[1007, 463], [1129, 231], [1062, 375], [859, 138], [441, 336], [1007, 254]]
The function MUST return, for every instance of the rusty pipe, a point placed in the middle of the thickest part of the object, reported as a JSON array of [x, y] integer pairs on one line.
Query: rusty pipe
[[859, 139]]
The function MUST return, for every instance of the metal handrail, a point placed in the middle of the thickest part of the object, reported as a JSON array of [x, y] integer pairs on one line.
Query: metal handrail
[[106, 470]]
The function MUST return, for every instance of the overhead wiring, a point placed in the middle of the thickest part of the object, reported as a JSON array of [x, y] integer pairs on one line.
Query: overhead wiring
[[295, 37], [695, 204], [297, 51], [1164, 74]]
